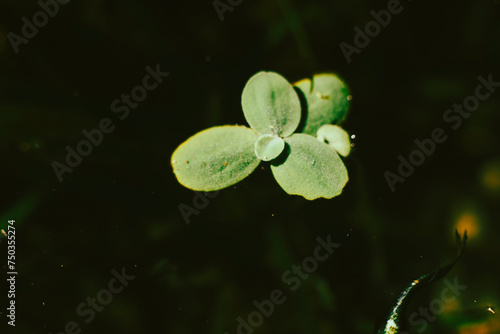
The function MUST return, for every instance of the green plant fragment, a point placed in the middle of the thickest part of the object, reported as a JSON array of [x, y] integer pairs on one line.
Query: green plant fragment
[[270, 104], [216, 158], [335, 137], [311, 169], [268, 147], [327, 99]]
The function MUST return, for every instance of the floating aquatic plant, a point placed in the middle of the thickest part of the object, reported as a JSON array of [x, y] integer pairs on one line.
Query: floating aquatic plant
[[283, 119]]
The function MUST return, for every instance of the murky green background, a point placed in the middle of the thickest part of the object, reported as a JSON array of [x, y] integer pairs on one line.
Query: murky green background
[[119, 209]]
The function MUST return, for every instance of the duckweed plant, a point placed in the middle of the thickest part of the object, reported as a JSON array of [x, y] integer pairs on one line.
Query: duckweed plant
[[294, 127], [303, 153]]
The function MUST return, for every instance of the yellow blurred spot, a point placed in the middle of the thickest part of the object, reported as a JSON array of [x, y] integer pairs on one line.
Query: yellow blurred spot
[[3, 232], [468, 221], [491, 310], [349, 98]]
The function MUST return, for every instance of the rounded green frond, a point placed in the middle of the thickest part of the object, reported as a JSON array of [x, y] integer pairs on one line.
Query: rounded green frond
[[327, 99], [335, 137], [270, 104], [311, 169], [216, 158], [268, 147]]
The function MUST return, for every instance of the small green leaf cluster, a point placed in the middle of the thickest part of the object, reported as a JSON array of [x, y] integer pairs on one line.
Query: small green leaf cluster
[[290, 126]]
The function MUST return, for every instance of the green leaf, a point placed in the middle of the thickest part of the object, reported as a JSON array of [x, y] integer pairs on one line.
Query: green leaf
[[270, 104], [327, 99], [216, 158], [268, 147], [310, 169], [335, 137]]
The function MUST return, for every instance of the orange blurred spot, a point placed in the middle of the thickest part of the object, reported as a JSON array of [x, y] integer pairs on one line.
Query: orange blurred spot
[[491, 178], [490, 326], [452, 307], [24, 147], [468, 221], [475, 329]]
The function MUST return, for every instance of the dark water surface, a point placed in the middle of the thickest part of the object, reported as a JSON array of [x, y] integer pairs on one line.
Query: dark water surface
[[103, 247]]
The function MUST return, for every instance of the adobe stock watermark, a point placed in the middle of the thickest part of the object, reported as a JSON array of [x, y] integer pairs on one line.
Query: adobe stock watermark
[[426, 315], [362, 39], [200, 202], [453, 117], [222, 6], [121, 106], [95, 304], [29, 29], [292, 278]]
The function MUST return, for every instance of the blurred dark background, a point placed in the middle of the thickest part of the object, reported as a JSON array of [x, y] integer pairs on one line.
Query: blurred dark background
[[119, 209]]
